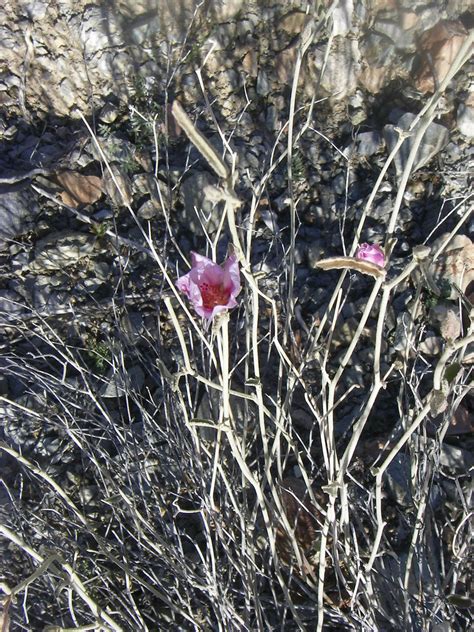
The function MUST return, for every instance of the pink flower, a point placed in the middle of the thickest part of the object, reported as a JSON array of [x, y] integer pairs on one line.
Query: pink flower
[[372, 253], [211, 288]]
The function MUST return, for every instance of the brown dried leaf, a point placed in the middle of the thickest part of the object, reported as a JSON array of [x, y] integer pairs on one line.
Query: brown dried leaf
[[448, 321], [118, 186], [351, 263], [301, 515], [440, 44], [462, 421], [450, 327], [79, 189], [455, 264]]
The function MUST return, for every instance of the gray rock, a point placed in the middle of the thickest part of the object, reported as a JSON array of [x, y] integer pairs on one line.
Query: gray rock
[[99, 30], [37, 10], [340, 72], [368, 143], [448, 320], [61, 249], [149, 209], [377, 50], [381, 209], [41, 293], [465, 120], [402, 38], [456, 263], [199, 215], [18, 208], [11, 306], [403, 332], [108, 113], [436, 137], [432, 346], [456, 459], [103, 214], [354, 376], [118, 186], [398, 480], [263, 85], [117, 384], [316, 251], [132, 325], [101, 270], [19, 261], [116, 149], [342, 17]]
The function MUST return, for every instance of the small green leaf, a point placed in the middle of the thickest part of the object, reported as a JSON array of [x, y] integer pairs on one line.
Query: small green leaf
[[461, 601], [451, 371]]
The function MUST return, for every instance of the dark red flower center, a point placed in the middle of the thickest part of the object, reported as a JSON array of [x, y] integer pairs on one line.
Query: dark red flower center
[[213, 295]]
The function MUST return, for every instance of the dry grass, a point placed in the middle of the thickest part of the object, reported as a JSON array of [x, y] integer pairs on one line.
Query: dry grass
[[192, 500]]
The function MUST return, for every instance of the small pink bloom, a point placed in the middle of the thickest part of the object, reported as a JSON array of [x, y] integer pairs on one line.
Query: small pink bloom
[[211, 288], [372, 253]]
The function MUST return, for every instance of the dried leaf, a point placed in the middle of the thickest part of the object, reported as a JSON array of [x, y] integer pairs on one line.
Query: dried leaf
[[450, 326], [118, 186], [302, 517], [78, 189], [462, 421], [199, 141], [455, 264], [4, 615], [441, 44], [351, 263]]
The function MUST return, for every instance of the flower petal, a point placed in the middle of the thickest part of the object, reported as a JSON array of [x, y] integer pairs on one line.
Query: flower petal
[[214, 275], [232, 276], [372, 253], [209, 287], [183, 283], [199, 262]]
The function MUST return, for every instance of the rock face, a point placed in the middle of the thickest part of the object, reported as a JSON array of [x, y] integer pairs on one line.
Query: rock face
[[106, 45], [73, 55]]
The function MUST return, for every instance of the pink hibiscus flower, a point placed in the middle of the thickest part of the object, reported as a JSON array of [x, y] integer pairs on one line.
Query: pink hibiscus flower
[[211, 288], [372, 253]]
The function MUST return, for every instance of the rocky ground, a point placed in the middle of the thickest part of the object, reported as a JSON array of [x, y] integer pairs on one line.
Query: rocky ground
[[95, 173]]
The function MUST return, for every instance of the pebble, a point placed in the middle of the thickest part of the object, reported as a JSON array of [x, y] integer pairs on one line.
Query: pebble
[[103, 214], [199, 214], [118, 385], [447, 319], [436, 137], [108, 113], [432, 345], [465, 119], [455, 264], [11, 306], [118, 186], [368, 143], [398, 480], [18, 209]]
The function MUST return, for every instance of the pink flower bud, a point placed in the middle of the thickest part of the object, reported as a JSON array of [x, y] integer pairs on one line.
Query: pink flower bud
[[372, 253], [211, 288]]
